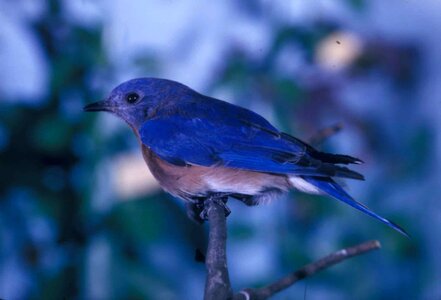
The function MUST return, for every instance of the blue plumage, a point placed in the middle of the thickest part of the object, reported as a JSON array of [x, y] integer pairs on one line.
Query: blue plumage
[[218, 133], [196, 145]]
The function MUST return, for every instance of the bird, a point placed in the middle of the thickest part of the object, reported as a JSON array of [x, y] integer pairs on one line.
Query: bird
[[198, 147]]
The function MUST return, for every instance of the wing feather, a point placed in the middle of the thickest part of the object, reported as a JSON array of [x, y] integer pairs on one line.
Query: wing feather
[[207, 141]]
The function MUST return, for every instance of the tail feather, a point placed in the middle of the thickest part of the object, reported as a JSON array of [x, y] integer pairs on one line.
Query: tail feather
[[323, 156], [338, 171], [336, 158], [324, 169], [330, 187]]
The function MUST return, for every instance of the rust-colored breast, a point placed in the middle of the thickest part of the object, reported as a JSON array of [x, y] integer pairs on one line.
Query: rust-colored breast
[[188, 181], [178, 181]]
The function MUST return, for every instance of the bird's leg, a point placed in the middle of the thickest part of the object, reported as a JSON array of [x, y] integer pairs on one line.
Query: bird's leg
[[220, 199]]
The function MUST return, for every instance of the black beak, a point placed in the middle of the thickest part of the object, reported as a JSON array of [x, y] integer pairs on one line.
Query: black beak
[[100, 106]]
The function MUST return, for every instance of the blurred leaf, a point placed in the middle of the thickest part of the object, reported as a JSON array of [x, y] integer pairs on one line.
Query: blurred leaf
[[52, 134]]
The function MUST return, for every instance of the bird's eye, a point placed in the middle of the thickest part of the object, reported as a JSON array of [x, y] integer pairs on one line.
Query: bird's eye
[[132, 98]]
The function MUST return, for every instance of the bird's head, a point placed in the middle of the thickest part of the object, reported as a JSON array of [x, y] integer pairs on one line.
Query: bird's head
[[136, 100]]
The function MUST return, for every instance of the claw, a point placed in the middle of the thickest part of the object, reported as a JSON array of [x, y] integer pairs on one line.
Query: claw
[[220, 200]]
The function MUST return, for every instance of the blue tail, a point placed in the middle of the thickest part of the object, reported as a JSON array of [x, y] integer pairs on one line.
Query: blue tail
[[331, 188]]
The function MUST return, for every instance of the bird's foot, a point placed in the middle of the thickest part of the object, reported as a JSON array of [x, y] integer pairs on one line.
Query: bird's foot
[[219, 199], [197, 208]]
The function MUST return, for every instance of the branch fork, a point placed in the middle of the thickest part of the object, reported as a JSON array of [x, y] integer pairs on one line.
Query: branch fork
[[218, 286]]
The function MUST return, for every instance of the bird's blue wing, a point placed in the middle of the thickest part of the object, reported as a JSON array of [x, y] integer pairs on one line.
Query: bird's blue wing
[[182, 140], [236, 142]]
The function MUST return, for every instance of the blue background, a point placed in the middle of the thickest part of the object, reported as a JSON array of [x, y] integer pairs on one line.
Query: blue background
[[80, 216]]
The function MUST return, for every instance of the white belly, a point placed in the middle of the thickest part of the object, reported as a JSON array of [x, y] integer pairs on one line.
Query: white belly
[[303, 186], [244, 182]]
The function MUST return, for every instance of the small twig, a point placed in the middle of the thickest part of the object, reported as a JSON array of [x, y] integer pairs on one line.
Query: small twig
[[325, 133], [217, 285], [308, 270]]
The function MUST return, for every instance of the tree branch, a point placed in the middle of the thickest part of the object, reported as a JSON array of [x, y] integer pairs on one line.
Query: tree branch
[[325, 133], [308, 270], [217, 285]]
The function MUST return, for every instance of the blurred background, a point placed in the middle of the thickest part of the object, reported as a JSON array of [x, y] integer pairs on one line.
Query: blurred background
[[82, 218]]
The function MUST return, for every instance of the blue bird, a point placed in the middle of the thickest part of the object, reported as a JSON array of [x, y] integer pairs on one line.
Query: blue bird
[[197, 146]]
